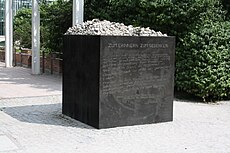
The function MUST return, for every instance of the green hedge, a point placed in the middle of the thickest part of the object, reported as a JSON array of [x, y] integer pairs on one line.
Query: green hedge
[[56, 18], [22, 27], [203, 61]]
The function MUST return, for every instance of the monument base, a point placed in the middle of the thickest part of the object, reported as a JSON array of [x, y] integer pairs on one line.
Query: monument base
[[111, 81]]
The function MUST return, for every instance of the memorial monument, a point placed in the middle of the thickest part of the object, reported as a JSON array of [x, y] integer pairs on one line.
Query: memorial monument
[[111, 81]]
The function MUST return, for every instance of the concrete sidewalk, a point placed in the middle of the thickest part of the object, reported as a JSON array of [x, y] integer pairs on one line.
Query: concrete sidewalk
[[19, 82], [33, 123]]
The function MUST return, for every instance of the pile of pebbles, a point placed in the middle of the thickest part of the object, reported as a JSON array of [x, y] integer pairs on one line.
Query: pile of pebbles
[[107, 28]]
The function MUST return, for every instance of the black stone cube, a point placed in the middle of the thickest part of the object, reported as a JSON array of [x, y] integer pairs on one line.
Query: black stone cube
[[111, 81]]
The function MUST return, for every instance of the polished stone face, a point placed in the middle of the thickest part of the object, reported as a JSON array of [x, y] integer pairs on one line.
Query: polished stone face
[[122, 80]]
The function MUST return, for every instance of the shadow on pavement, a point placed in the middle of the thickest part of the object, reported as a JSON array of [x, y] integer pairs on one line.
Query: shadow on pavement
[[185, 97], [43, 114]]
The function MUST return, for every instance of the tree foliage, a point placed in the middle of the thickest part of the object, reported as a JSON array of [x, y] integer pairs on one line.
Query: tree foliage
[[203, 65], [226, 4], [56, 19], [22, 27]]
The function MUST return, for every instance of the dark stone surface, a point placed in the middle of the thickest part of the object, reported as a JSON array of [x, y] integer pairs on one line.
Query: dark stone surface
[[111, 81], [81, 78]]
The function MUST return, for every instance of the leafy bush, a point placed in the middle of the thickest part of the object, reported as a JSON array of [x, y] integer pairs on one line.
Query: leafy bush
[[22, 27], [203, 65], [56, 18], [97, 9], [226, 4]]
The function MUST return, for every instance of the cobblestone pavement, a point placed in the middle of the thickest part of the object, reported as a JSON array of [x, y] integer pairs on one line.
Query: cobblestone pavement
[[35, 124]]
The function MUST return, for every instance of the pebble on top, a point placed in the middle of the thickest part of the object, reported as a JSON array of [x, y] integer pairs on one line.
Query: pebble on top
[[107, 28]]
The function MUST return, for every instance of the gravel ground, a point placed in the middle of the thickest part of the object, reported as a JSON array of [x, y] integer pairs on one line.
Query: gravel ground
[[36, 125]]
